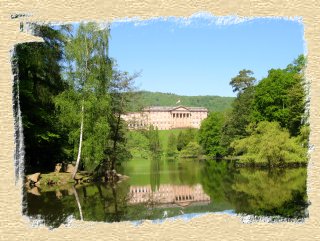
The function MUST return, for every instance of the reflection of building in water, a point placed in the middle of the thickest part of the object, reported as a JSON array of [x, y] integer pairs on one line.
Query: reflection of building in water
[[165, 118], [182, 195]]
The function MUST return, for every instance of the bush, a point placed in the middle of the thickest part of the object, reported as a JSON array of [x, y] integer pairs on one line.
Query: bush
[[192, 150], [269, 143]]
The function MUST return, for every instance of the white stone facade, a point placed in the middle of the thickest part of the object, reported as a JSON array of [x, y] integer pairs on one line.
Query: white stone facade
[[166, 118]]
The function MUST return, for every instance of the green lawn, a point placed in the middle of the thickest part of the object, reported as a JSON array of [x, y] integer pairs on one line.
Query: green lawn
[[138, 142]]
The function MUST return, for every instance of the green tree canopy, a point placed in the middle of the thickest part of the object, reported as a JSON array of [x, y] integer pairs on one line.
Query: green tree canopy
[[242, 81], [172, 145], [270, 144], [210, 134], [281, 97], [238, 118], [84, 106]]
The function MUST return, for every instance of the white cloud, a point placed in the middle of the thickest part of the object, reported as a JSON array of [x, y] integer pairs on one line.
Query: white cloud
[[198, 20]]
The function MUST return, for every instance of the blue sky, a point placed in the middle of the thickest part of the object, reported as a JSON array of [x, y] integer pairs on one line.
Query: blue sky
[[199, 55]]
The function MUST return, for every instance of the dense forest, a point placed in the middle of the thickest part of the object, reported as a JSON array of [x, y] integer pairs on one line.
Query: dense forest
[[72, 95], [211, 102], [268, 122]]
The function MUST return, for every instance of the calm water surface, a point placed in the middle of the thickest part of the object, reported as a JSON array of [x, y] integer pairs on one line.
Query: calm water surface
[[159, 189]]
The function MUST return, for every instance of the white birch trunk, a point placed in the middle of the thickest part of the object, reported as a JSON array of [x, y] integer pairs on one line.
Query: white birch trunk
[[80, 145], [78, 202]]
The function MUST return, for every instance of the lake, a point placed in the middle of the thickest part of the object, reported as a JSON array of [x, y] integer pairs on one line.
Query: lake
[[159, 189]]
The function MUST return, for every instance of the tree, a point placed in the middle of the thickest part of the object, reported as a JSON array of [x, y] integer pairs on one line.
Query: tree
[[281, 97], [210, 135], [121, 93], [238, 118], [192, 150], [138, 144], [184, 137], [181, 141], [154, 141], [242, 81], [83, 107], [298, 65], [39, 81], [172, 145], [261, 146]]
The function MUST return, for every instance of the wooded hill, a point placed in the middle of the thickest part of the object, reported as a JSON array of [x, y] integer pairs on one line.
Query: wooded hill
[[212, 103]]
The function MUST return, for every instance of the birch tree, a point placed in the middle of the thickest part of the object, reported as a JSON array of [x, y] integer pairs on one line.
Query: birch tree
[[84, 105]]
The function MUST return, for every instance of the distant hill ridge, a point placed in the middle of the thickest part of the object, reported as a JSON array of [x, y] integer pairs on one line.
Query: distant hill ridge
[[211, 102]]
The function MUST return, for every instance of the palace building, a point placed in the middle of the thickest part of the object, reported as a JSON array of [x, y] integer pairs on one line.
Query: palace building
[[166, 118]]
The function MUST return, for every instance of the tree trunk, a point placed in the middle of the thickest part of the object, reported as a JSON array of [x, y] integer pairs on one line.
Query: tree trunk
[[80, 144], [115, 141]]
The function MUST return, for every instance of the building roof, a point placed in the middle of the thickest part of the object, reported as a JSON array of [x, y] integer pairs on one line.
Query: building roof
[[171, 108]]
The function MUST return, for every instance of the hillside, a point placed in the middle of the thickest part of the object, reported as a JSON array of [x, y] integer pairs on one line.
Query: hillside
[[212, 103]]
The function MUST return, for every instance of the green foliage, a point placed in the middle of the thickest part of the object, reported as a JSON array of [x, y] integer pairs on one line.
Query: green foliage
[[155, 169], [269, 143], [89, 74], [238, 118], [184, 137], [192, 150], [212, 103], [154, 140], [303, 137], [275, 192], [268, 192], [210, 135], [98, 94], [242, 81], [138, 144], [281, 97], [217, 178], [172, 146], [298, 65], [38, 71], [120, 92]]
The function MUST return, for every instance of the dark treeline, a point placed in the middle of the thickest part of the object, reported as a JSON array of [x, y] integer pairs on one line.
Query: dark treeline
[[39, 74], [72, 96], [268, 120]]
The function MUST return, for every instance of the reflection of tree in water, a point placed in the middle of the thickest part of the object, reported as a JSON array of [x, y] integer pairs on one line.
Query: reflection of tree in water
[[155, 169], [172, 166], [52, 211], [99, 202], [259, 192], [105, 202], [274, 192], [217, 178], [189, 172]]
